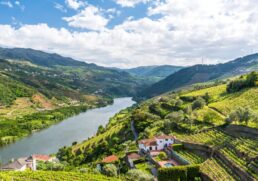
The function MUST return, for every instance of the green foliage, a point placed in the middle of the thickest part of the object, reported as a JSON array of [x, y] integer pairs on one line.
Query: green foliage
[[241, 83], [162, 156], [177, 147], [53, 176], [110, 170], [176, 173], [172, 174], [23, 126], [241, 115], [138, 175], [198, 103]]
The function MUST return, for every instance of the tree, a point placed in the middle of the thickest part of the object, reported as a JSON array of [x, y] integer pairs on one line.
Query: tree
[[241, 115], [207, 97], [176, 116], [138, 175], [179, 103], [198, 103], [110, 170], [162, 156]]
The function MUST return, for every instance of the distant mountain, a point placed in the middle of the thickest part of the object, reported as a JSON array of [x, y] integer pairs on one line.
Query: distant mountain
[[202, 73], [153, 73], [38, 57], [62, 77]]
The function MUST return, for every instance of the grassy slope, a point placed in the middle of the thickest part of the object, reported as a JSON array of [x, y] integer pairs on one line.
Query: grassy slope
[[149, 123], [222, 104], [53, 176]]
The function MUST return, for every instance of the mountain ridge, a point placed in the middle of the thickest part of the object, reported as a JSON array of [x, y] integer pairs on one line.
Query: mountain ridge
[[202, 73]]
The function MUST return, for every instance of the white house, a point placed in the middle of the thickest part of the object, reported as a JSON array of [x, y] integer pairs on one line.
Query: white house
[[157, 143], [20, 164], [24, 163]]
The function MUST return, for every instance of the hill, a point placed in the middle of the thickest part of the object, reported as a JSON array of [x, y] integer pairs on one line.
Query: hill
[[38, 89], [87, 78], [202, 73], [215, 128], [153, 73]]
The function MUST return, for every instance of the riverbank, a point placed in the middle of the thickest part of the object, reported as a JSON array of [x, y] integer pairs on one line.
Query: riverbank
[[76, 128]]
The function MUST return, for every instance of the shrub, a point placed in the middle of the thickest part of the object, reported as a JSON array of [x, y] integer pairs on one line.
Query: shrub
[[182, 173], [193, 171], [177, 147], [172, 174], [241, 83], [138, 175], [162, 156], [110, 170], [199, 103]]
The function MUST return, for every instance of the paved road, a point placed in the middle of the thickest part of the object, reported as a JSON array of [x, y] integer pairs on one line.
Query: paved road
[[134, 131]]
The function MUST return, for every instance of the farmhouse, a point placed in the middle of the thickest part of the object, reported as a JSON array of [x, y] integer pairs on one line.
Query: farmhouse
[[20, 164], [156, 143]]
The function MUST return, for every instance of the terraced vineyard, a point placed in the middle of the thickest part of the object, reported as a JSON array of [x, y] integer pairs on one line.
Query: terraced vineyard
[[211, 138], [247, 146], [53, 176], [190, 156], [238, 160], [216, 170], [115, 125]]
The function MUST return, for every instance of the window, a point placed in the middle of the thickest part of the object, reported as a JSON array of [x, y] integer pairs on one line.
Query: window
[[166, 139], [150, 148]]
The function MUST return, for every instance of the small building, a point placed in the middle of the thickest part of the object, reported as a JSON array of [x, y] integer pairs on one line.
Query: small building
[[44, 158], [20, 164], [156, 143], [110, 159], [24, 163]]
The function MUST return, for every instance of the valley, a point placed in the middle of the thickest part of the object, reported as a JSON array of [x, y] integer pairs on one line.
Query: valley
[[75, 110]]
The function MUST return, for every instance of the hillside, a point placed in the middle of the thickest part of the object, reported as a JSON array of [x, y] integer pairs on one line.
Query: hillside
[[76, 75], [202, 73], [153, 73], [215, 128], [38, 89]]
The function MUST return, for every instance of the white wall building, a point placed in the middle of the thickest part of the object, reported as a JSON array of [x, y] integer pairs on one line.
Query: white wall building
[[157, 143]]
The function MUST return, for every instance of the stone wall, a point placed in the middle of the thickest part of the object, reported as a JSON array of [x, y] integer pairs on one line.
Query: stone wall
[[243, 175], [238, 130]]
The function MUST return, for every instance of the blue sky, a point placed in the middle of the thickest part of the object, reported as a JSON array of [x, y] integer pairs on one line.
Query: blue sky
[[129, 33], [47, 11]]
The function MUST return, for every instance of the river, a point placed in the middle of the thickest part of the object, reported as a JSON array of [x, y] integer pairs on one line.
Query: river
[[76, 128]]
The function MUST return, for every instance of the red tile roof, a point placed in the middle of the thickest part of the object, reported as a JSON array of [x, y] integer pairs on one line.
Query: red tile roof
[[164, 137], [148, 142], [110, 159], [41, 157], [133, 156]]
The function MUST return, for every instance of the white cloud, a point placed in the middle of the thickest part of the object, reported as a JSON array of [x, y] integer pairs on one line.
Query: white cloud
[[60, 7], [185, 32], [18, 4], [75, 4], [130, 3], [7, 3], [90, 18]]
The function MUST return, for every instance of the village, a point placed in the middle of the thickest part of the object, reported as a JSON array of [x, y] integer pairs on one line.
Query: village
[[153, 153]]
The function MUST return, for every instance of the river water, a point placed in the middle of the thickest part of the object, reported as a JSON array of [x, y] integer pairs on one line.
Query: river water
[[76, 128]]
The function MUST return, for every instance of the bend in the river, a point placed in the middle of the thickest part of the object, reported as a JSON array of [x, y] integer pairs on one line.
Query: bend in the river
[[76, 128]]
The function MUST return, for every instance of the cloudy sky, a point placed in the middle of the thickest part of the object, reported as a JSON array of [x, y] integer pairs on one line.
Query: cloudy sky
[[129, 33]]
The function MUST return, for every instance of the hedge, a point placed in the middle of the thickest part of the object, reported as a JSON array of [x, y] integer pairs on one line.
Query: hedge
[[177, 147], [179, 173], [172, 174]]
